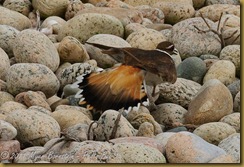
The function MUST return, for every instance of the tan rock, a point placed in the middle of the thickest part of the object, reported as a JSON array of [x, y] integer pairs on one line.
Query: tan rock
[[8, 149], [21, 6], [223, 159], [211, 103], [214, 132], [223, 70], [10, 106], [4, 64], [5, 96], [14, 19], [233, 120]]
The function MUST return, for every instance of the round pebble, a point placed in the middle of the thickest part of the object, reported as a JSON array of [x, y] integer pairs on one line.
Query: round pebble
[[4, 64], [192, 68], [181, 92], [232, 53], [234, 87], [5, 96], [14, 19], [33, 127], [213, 12], [214, 132], [223, 70], [49, 8], [186, 147], [72, 51], [11, 106], [72, 118], [146, 129], [44, 51], [168, 113], [21, 6], [139, 153], [7, 36], [7, 131], [212, 102], [231, 145], [105, 125], [233, 120], [22, 77], [53, 22], [190, 42], [83, 26], [145, 39], [175, 11]]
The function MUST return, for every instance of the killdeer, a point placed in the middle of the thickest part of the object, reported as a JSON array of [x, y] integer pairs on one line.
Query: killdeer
[[125, 85]]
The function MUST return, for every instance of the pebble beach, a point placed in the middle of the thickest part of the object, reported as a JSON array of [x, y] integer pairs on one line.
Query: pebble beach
[[43, 50]]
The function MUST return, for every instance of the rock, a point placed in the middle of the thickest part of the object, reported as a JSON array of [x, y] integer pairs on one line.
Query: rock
[[234, 88], [54, 23], [192, 68], [163, 138], [178, 129], [10, 106], [145, 39], [14, 19], [33, 127], [231, 145], [148, 141], [8, 149], [7, 36], [79, 132], [184, 36], [181, 92], [82, 26], [80, 109], [146, 129], [2, 117], [198, 3], [116, 4], [139, 153], [72, 51], [27, 155], [69, 74], [237, 103], [4, 64], [223, 159], [153, 14], [212, 102], [36, 99], [152, 2], [50, 8], [141, 118], [132, 27], [21, 6], [70, 117], [229, 21], [5, 96], [223, 70], [104, 60], [23, 77], [232, 53], [125, 16], [7, 131], [44, 51], [168, 113], [106, 123], [210, 62], [99, 152], [214, 132], [133, 113], [213, 12], [185, 147], [73, 8], [233, 120], [232, 36], [231, 2], [175, 11]]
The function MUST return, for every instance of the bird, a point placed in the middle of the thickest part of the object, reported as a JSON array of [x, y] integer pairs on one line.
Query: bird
[[125, 84]]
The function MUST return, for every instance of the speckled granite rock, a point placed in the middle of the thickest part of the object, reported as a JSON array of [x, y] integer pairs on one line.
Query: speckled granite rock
[[22, 77], [10, 106], [5, 96], [181, 92], [7, 131], [237, 102], [83, 26], [233, 120], [21, 6], [4, 64]]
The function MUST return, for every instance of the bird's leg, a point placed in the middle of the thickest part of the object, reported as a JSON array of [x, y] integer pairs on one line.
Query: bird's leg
[[152, 104], [116, 123]]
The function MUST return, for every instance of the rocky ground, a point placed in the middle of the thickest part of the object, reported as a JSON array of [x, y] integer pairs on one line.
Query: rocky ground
[[43, 50]]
